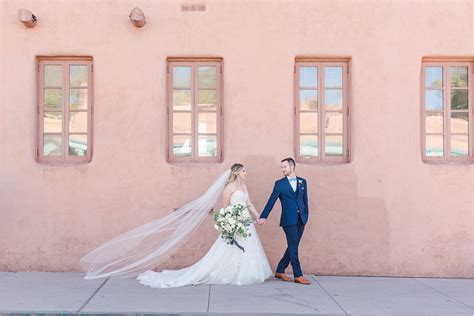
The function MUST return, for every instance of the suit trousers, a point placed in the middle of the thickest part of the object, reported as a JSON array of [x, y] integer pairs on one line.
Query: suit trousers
[[293, 236]]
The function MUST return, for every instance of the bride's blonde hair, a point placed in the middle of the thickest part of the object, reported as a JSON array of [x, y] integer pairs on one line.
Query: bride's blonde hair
[[234, 171]]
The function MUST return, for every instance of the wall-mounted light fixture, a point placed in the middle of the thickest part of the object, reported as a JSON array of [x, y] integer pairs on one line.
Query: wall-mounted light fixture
[[27, 18], [137, 17]]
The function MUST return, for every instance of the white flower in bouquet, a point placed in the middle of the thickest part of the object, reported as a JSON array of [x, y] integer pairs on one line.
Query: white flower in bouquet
[[233, 221]]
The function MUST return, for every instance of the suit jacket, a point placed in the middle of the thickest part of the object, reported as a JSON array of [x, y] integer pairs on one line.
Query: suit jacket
[[291, 202]]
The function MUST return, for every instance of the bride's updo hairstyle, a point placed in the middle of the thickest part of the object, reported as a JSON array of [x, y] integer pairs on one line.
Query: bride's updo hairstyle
[[234, 171]]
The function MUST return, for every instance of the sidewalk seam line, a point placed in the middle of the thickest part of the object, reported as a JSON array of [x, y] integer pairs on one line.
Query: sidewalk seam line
[[439, 291], [209, 298], [333, 299], [93, 294]]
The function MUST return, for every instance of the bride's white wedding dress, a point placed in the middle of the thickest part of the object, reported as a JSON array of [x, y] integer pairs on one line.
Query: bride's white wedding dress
[[223, 263]]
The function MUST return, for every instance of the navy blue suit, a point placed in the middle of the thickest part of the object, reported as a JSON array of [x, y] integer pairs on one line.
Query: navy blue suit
[[294, 216]]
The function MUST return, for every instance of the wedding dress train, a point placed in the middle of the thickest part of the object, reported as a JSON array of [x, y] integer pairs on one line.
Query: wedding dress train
[[222, 264]]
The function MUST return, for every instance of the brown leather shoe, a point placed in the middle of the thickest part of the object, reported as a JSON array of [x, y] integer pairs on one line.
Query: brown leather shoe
[[282, 277], [302, 280]]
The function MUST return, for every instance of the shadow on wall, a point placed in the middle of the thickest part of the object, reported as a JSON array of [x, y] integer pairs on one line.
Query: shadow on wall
[[346, 234]]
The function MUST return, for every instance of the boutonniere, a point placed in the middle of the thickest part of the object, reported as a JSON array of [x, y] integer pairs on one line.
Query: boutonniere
[[300, 181]]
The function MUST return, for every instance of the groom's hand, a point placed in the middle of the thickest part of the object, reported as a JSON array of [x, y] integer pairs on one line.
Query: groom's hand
[[261, 221]]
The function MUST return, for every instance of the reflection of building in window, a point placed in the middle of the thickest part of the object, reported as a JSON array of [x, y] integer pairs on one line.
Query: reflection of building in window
[[446, 133], [195, 109], [65, 109], [77, 148], [321, 110]]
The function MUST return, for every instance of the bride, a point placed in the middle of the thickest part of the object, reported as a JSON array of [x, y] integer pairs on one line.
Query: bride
[[136, 252]]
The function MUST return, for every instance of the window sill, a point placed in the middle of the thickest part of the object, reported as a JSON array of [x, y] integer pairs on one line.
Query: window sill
[[310, 162], [448, 162], [188, 162], [64, 162]]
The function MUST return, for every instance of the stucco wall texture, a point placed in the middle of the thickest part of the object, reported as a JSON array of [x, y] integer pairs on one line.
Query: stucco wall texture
[[384, 213]]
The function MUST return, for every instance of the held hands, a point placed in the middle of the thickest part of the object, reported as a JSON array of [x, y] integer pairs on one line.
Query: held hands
[[261, 221]]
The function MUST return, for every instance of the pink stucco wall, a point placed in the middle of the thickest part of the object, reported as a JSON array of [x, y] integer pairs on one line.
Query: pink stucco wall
[[384, 213]]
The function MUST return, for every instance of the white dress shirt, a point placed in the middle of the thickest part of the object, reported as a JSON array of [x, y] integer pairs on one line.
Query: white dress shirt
[[293, 182]]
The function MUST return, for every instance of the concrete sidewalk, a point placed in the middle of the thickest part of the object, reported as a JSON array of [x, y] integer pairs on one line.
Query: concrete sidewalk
[[69, 293]]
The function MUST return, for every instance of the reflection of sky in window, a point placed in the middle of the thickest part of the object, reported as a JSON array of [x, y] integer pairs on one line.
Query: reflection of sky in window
[[307, 95], [308, 76], [333, 77], [433, 76], [333, 97], [434, 99], [182, 77]]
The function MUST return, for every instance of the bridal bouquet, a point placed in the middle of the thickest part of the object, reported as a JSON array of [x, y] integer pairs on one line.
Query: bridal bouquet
[[232, 221]]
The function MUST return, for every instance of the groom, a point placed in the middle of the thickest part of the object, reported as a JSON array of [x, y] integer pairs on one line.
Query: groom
[[293, 194]]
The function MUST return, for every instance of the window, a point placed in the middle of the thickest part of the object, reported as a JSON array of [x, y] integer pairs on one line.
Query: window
[[64, 109], [446, 110], [321, 110], [194, 109]]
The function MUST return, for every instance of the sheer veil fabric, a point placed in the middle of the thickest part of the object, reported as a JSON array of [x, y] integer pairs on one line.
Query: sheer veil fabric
[[146, 246]]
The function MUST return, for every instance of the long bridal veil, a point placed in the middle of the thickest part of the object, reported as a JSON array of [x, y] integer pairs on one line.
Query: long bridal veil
[[146, 246]]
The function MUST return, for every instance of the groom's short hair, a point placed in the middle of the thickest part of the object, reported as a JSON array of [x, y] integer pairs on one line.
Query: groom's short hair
[[290, 161]]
